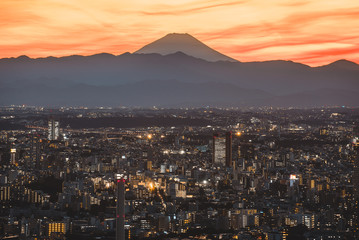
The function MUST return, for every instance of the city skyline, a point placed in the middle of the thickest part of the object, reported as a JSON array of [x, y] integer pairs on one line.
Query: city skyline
[[310, 32]]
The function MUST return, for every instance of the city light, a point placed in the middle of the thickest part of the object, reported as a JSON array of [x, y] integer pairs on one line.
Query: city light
[[263, 185]]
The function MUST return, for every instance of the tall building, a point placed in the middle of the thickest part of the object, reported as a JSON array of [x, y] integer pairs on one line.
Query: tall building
[[120, 208], [355, 143], [228, 149], [53, 128], [222, 149], [219, 149], [35, 151], [13, 155]]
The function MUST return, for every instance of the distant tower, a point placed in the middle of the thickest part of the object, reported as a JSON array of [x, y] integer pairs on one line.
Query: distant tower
[[222, 149], [228, 149], [35, 151], [219, 149], [356, 161], [13, 156], [53, 128], [120, 208]]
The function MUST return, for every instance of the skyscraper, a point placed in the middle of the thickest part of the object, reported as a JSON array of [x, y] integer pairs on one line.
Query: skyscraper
[[222, 149], [228, 149], [120, 208], [13, 156], [53, 128], [219, 149], [35, 151]]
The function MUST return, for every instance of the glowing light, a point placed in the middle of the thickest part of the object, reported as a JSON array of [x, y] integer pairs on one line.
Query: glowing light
[[293, 177], [238, 134], [149, 136]]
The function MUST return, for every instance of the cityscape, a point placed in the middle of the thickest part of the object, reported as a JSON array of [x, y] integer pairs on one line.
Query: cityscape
[[190, 173], [179, 120]]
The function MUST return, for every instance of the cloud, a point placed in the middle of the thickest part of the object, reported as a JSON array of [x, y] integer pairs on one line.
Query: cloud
[[177, 11], [246, 30]]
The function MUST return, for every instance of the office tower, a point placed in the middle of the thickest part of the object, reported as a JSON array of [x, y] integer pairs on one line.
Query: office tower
[[35, 151], [246, 150], [53, 128], [13, 155], [219, 149], [120, 208], [222, 149], [228, 149]]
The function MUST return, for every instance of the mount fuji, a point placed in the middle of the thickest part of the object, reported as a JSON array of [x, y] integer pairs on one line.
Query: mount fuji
[[185, 43]]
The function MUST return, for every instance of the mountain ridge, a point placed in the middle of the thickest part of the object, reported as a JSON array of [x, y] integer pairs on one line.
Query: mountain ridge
[[152, 79], [25, 57]]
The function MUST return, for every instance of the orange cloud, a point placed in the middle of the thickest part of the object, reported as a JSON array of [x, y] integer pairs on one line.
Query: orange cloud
[[311, 31], [192, 10]]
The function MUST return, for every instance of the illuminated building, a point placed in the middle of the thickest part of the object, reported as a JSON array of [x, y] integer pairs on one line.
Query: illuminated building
[[176, 190], [35, 151], [120, 208], [219, 149], [53, 128], [5, 193], [222, 149], [56, 227], [13, 155], [149, 165]]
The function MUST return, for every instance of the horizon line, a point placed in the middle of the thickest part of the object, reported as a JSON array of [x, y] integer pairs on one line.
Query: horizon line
[[133, 53]]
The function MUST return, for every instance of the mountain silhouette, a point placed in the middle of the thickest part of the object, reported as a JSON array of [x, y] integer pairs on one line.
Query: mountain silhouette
[[185, 43], [174, 79]]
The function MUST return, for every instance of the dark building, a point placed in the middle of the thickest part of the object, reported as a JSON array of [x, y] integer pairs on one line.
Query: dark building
[[35, 151], [228, 149], [120, 209]]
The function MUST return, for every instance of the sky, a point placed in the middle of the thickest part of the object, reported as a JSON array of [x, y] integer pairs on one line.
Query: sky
[[313, 32]]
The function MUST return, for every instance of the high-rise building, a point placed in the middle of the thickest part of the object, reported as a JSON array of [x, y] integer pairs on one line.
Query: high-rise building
[[53, 128], [13, 155], [35, 151], [228, 149], [120, 208], [222, 149], [219, 149]]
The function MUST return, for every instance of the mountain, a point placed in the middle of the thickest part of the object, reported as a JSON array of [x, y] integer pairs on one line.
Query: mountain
[[175, 79], [185, 43], [144, 94]]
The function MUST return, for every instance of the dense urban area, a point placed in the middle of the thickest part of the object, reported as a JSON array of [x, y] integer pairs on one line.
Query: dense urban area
[[191, 173]]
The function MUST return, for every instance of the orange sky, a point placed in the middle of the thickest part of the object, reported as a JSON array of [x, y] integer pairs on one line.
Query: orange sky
[[313, 32]]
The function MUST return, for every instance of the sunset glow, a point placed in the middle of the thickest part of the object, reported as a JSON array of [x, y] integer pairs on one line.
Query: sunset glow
[[313, 32]]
